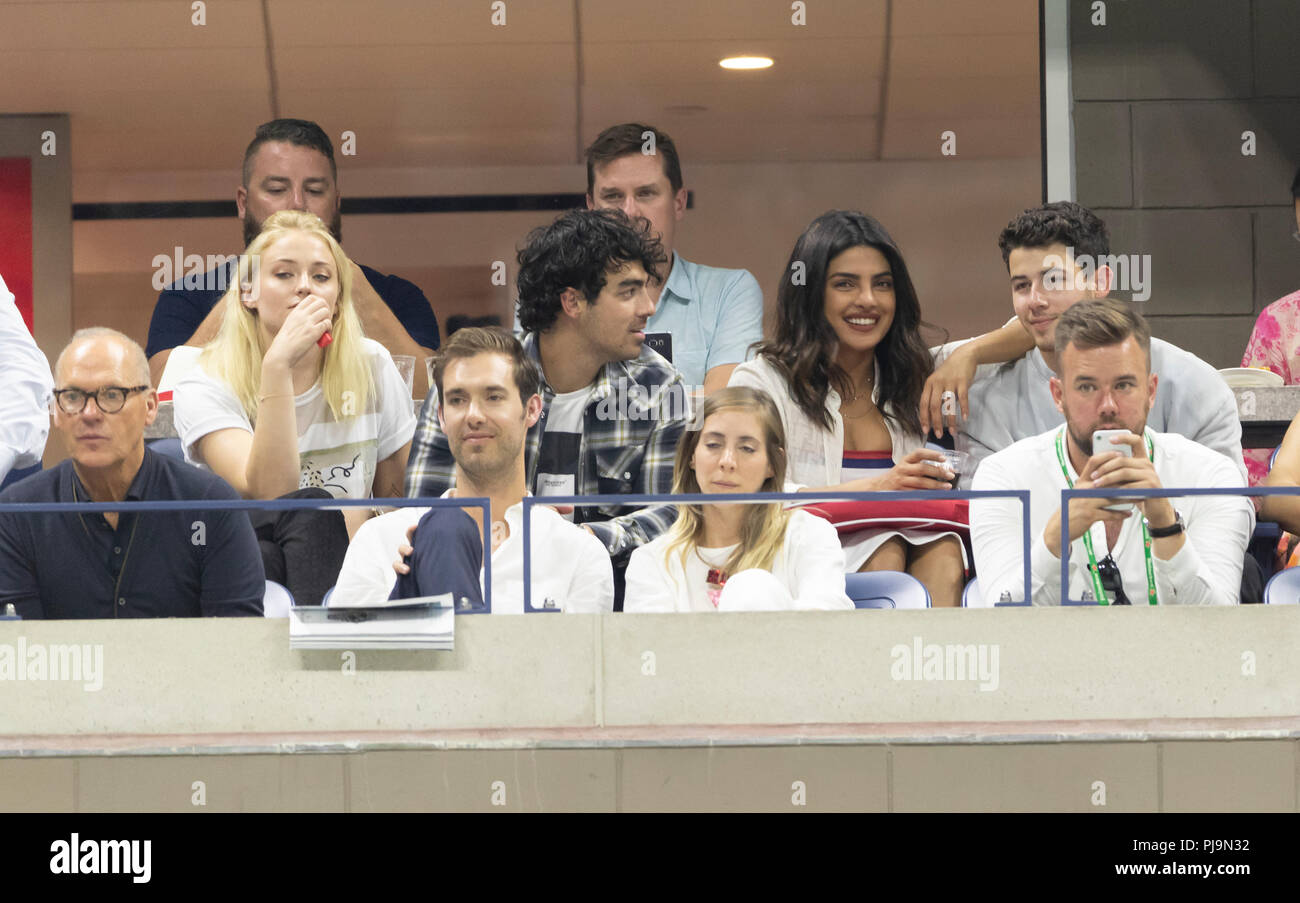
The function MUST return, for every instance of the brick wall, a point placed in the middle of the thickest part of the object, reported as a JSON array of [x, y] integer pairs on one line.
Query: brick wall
[[1162, 94]]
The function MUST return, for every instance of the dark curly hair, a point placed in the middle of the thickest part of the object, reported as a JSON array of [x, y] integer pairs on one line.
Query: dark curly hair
[[1063, 222], [574, 252], [803, 349]]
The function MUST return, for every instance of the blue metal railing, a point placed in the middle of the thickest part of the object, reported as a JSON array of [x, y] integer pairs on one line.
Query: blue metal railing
[[1126, 494], [482, 503], [918, 495]]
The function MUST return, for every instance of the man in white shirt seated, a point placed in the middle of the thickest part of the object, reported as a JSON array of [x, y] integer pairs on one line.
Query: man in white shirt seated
[[1183, 551], [489, 393], [25, 403]]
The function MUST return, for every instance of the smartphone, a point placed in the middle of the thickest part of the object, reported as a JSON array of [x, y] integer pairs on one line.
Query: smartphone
[[1107, 441]]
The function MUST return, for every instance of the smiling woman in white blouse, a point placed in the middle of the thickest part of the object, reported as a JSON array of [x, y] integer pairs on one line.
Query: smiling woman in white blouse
[[847, 367], [744, 556]]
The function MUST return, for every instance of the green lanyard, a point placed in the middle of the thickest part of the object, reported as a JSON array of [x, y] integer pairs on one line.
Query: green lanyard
[[1097, 589]]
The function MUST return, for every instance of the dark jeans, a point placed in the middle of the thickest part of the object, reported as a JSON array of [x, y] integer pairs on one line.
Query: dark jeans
[[302, 549], [447, 557]]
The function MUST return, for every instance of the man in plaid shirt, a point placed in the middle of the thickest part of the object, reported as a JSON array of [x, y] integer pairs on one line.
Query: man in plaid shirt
[[612, 408]]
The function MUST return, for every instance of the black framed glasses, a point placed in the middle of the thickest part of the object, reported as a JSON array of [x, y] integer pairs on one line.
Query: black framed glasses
[[109, 399], [1111, 581]]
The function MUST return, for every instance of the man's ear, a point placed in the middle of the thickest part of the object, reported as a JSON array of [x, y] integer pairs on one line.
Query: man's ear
[[1151, 394], [571, 302], [679, 203], [533, 410], [1104, 280], [442, 422], [241, 200], [1058, 393], [150, 406], [591, 202]]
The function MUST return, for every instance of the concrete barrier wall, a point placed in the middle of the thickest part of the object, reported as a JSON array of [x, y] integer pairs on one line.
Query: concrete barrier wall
[[1141, 709], [586, 671]]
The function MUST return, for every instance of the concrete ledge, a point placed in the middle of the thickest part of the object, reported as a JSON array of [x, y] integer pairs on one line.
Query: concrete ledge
[[679, 736], [617, 673]]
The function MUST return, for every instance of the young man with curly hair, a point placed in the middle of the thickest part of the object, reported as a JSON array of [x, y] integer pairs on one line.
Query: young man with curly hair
[[612, 408]]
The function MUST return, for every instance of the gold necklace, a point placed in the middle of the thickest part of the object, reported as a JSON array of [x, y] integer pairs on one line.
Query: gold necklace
[[868, 384]]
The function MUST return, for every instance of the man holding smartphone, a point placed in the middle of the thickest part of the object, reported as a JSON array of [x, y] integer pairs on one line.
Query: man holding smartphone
[[1186, 551]]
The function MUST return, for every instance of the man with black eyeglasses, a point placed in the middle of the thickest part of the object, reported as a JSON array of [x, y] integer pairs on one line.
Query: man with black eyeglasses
[[1168, 551], [122, 565]]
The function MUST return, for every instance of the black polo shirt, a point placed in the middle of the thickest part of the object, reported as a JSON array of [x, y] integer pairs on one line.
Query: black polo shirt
[[155, 564]]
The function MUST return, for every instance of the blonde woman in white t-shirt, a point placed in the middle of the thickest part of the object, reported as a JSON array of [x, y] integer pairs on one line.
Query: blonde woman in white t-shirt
[[291, 399], [746, 556]]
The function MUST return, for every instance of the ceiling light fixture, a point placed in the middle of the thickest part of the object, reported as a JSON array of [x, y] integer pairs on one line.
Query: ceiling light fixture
[[746, 62]]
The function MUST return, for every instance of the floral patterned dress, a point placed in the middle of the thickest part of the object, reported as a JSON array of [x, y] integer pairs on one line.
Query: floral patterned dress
[[1275, 345]]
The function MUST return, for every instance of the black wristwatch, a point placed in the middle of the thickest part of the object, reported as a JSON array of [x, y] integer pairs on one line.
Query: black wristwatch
[[1172, 530]]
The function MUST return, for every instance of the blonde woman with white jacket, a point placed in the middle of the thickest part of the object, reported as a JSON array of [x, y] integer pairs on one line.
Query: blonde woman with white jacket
[[744, 556]]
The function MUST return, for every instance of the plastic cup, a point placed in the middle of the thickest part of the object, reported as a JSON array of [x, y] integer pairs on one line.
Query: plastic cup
[[956, 461], [406, 368]]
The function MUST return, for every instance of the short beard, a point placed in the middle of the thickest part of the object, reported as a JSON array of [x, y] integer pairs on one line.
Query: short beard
[[252, 228], [1084, 441], [489, 473]]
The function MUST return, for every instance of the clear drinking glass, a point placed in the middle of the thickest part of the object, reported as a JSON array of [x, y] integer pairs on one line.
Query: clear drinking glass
[[406, 367]]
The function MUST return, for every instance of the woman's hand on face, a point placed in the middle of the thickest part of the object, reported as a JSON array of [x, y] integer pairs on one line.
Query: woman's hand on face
[[919, 471], [306, 323]]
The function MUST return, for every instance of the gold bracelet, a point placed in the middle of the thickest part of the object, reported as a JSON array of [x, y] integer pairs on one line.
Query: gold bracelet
[[262, 398]]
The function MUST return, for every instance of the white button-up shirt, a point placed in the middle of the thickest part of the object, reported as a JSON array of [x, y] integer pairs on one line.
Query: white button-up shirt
[[1205, 571], [570, 566]]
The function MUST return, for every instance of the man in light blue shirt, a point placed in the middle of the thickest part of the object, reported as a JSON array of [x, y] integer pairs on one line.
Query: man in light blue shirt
[[706, 318]]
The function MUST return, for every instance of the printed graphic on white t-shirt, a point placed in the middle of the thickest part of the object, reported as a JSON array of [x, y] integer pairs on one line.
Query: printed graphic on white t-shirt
[[337, 456], [558, 456]]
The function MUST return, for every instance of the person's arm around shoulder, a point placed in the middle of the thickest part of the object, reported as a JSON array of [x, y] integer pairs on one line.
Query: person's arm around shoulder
[[739, 325], [649, 585], [958, 371], [816, 564]]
